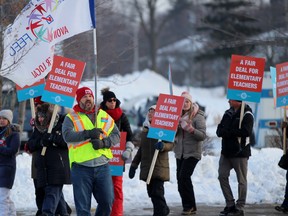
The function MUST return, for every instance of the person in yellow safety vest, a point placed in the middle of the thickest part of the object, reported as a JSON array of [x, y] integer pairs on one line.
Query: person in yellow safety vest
[[89, 140]]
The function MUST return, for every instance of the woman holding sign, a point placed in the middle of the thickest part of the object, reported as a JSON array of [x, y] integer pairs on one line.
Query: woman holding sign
[[188, 149], [53, 170]]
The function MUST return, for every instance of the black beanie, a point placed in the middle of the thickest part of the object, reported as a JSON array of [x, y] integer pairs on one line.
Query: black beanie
[[107, 94]]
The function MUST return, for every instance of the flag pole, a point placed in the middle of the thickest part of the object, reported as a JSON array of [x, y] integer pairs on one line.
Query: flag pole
[[96, 68], [95, 56]]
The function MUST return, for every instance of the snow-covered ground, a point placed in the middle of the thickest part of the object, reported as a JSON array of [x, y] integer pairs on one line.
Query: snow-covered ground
[[266, 180]]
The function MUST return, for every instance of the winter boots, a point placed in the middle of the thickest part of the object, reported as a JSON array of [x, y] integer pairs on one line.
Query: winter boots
[[189, 211], [281, 209], [231, 211]]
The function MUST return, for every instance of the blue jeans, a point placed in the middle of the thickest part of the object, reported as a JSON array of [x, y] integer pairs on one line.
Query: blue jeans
[[54, 198], [92, 180]]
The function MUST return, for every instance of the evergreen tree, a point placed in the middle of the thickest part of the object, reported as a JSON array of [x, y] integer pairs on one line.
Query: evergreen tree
[[229, 26]]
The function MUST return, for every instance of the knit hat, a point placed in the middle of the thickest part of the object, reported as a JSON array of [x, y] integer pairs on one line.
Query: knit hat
[[45, 111], [107, 94], [81, 92], [187, 96], [152, 107], [37, 100], [8, 114]]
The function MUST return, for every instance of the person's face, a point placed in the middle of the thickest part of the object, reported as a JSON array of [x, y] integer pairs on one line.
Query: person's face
[[111, 103], [235, 104], [87, 102], [187, 105], [151, 113], [3, 122], [41, 118]]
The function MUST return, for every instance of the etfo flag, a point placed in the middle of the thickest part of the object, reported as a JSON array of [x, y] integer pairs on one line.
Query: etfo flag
[[29, 41]]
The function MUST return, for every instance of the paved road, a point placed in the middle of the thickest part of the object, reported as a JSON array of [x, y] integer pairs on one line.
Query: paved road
[[203, 210]]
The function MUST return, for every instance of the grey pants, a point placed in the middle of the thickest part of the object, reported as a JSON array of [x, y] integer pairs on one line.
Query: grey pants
[[240, 166]]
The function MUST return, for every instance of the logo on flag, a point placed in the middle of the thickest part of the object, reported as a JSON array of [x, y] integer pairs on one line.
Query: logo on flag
[[29, 41]]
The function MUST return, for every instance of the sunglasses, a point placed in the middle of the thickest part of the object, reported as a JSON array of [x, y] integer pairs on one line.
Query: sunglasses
[[111, 99]]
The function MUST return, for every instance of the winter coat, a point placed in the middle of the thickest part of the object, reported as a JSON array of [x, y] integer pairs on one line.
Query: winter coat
[[190, 144], [53, 167], [120, 119], [229, 130], [124, 125], [145, 155], [8, 150]]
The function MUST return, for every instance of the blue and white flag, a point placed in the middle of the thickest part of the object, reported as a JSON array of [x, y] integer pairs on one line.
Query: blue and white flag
[[29, 41]]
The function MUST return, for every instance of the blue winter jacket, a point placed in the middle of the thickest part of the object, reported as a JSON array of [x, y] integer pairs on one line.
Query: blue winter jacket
[[9, 147]]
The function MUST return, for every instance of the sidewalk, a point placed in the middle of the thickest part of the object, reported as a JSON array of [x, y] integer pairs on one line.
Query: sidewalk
[[203, 210]]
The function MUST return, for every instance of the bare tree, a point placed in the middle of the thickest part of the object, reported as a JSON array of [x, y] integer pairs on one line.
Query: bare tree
[[153, 23], [8, 11]]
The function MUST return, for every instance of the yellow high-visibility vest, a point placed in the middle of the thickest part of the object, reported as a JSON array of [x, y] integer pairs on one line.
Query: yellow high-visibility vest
[[83, 151]]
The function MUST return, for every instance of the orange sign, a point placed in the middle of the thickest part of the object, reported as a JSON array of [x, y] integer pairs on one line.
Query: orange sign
[[63, 81], [65, 76], [246, 73], [165, 120], [282, 79], [116, 163]]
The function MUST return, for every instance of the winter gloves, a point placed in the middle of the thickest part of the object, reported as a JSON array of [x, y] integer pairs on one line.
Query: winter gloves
[[93, 133], [284, 124], [132, 172], [187, 127], [53, 139], [47, 139], [128, 151], [159, 145], [98, 144]]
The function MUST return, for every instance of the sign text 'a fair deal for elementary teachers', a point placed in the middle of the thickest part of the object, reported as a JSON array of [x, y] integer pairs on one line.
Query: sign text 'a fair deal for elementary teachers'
[[245, 78], [165, 120]]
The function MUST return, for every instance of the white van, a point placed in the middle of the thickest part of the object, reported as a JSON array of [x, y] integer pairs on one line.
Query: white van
[[267, 127]]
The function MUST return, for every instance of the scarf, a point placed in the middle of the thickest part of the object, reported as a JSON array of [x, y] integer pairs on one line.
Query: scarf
[[115, 113], [146, 123], [188, 116], [2, 136]]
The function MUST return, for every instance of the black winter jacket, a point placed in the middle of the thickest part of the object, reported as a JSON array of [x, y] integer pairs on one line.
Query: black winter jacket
[[229, 130], [124, 125], [53, 167]]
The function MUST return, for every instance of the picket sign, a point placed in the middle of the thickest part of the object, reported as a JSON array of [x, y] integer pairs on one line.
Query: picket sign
[[32, 105], [241, 118], [152, 165], [55, 110], [157, 150]]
